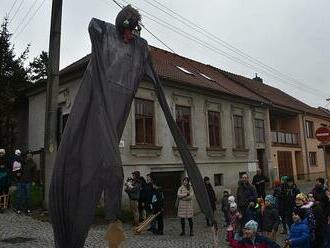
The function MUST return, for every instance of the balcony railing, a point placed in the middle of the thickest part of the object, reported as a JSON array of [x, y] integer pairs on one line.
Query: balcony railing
[[284, 138]]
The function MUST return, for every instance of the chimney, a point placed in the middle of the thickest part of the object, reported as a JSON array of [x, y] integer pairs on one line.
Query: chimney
[[258, 79]]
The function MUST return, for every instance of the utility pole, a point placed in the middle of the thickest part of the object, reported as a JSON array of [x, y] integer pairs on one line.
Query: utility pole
[[50, 138]]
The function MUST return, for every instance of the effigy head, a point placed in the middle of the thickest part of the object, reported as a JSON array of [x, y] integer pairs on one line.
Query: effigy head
[[128, 19]]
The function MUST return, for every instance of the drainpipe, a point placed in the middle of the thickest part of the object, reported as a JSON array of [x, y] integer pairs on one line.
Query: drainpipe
[[306, 151]]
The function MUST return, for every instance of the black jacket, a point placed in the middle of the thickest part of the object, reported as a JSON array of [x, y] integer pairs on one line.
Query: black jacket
[[28, 171], [212, 196], [157, 201], [270, 219], [245, 193]]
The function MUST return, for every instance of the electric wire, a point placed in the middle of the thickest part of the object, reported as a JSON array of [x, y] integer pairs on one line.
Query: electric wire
[[17, 10], [29, 20], [25, 16], [185, 61], [244, 63], [225, 44], [216, 50], [12, 7]]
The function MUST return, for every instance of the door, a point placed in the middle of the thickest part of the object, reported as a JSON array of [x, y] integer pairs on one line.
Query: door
[[170, 182], [299, 166], [260, 157], [284, 160]]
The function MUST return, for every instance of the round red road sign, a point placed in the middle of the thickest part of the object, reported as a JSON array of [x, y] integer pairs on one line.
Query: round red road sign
[[322, 134]]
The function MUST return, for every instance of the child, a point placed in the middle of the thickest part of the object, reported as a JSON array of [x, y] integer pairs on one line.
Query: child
[[270, 218], [251, 213], [234, 222], [260, 207], [157, 206], [299, 232], [225, 207], [302, 202], [252, 239]]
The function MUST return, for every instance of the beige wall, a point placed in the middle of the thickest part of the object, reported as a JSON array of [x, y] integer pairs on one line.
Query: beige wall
[[164, 158], [312, 146]]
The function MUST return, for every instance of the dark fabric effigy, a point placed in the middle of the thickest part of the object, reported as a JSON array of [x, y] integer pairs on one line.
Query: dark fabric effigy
[[88, 160]]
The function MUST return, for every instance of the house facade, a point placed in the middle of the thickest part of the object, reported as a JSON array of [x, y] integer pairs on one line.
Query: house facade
[[230, 125], [294, 148], [226, 132]]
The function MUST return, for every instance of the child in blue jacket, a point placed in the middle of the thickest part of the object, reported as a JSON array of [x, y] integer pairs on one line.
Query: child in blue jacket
[[299, 233]]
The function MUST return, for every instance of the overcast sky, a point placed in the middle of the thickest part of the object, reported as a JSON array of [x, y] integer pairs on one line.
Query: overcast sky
[[291, 38]]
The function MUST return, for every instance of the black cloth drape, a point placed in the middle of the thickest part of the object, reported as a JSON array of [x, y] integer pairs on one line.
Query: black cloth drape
[[88, 160]]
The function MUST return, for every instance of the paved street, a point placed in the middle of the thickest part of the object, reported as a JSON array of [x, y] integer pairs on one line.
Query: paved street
[[22, 231]]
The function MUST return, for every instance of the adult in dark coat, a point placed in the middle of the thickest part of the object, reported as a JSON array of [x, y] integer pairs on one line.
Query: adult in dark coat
[[319, 192], [88, 160], [4, 159], [246, 193], [320, 220], [212, 197], [259, 182], [287, 202]]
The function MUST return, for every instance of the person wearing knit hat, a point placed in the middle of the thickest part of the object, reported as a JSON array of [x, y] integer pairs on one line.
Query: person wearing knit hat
[[270, 218], [231, 199], [234, 222], [252, 239], [301, 199], [271, 199], [299, 234], [251, 225], [302, 203]]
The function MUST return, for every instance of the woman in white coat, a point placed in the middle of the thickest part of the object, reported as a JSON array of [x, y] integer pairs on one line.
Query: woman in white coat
[[185, 205]]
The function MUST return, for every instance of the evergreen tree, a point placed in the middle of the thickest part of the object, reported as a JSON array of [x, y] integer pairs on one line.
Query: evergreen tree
[[38, 67], [13, 78]]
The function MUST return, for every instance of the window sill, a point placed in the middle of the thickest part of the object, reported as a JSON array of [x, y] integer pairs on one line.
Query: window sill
[[193, 150], [146, 151], [216, 151], [240, 152]]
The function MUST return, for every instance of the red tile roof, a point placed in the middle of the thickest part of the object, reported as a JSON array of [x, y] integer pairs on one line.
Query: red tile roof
[[166, 67], [274, 95]]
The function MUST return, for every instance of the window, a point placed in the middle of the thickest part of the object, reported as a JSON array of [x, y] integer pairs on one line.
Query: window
[[312, 159], [260, 130], [183, 120], [207, 77], [309, 129], [214, 128], [239, 131], [144, 122], [184, 70], [218, 179]]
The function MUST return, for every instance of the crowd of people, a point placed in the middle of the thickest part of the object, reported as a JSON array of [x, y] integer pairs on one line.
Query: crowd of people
[[17, 172], [252, 218]]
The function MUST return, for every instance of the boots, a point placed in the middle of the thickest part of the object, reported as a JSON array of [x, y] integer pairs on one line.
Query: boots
[[183, 227], [191, 225]]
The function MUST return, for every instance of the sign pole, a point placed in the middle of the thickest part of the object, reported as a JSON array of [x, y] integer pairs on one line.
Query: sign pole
[[325, 164]]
